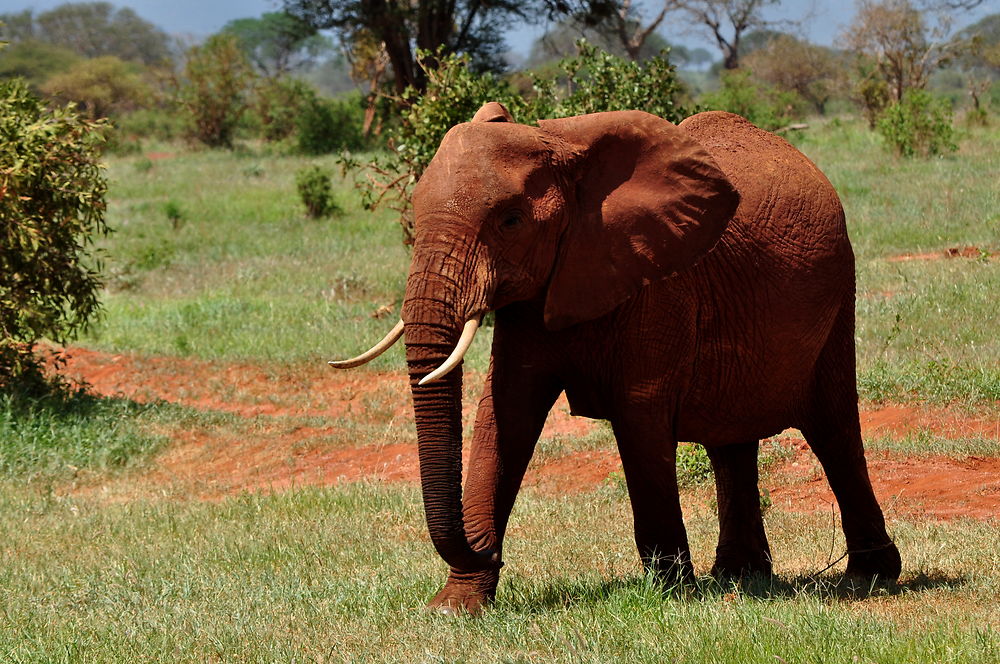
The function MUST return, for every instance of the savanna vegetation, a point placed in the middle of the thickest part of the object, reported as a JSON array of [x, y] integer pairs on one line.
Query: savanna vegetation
[[243, 236]]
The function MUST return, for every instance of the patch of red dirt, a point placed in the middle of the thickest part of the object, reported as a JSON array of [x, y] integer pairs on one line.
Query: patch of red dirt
[[931, 487], [156, 156], [271, 452], [951, 252]]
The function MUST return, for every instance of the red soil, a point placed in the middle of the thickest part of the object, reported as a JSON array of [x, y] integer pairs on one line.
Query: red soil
[[272, 450], [951, 252]]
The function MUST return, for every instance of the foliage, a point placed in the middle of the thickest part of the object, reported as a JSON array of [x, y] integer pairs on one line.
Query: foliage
[[471, 28], [328, 125], [100, 87], [726, 22], [871, 93], [765, 106], [813, 72], [278, 104], [919, 125], [278, 43], [895, 36], [149, 123], [51, 208], [693, 465], [214, 92], [34, 61], [561, 40], [591, 82], [316, 191], [92, 30]]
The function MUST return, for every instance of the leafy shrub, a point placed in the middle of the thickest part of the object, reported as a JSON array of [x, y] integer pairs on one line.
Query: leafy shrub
[[764, 105], [872, 94], [149, 123], [329, 125], [693, 464], [100, 87], [52, 205], [214, 93], [316, 192], [592, 81], [918, 125], [278, 103]]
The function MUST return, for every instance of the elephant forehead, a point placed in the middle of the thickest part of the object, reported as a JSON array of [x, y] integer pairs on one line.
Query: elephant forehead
[[480, 163]]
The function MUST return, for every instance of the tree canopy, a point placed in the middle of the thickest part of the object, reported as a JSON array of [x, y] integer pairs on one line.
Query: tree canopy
[[91, 29], [471, 27], [278, 43]]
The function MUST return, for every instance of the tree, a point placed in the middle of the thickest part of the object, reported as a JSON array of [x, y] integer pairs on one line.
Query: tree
[[894, 35], [561, 42], [630, 30], [471, 27], [726, 21], [52, 205], [34, 61], [100, 87], [278, 43], [814, 72], [93, 29], [215, 90]]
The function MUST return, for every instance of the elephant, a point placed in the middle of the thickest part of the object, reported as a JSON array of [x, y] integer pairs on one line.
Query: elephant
[[689, 282]]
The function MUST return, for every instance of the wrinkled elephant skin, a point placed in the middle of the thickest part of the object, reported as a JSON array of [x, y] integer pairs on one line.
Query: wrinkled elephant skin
[[686, 282]]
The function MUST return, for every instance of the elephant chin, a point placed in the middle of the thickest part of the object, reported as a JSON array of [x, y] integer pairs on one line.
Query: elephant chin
[[437, 409]]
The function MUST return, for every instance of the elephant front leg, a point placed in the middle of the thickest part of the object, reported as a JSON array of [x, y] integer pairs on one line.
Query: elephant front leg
[[510, 418], [649, 461]]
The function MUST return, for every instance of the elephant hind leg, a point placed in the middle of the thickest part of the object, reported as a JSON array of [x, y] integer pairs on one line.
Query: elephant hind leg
[[832, 428], [743, 547]]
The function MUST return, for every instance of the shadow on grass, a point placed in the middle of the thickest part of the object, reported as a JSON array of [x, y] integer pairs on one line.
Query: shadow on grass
[[647, 589], [68, 431]]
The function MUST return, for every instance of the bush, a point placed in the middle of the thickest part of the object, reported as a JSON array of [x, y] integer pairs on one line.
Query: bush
[[52, 205], [278, 103], [765, 106], [149, 123], [591, 82], [316, 192], [918, 125], [214, 94], [329, 125], [101, 87]]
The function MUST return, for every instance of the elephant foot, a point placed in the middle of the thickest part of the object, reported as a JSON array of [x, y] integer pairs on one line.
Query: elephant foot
[[675, 570], [882, 563], [466, 594], [735, 564]]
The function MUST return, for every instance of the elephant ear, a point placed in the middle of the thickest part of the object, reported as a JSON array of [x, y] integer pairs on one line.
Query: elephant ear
[[650, 202]]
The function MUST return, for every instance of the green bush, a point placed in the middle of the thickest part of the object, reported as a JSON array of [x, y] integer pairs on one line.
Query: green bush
[[149, 123], [329, 125], [591, 82], [919, 125], [52, 205], [316, 192], [215, 90], [278, 103], [100, 87], [762, 104]]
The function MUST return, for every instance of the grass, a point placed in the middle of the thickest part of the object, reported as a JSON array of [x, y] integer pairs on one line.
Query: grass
[[341, 574]]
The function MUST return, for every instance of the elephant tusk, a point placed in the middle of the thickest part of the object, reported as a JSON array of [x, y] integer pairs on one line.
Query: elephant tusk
[[394, 334], [468, 334]]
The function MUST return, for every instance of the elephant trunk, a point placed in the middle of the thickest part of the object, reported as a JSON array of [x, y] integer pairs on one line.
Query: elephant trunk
[[431, 335]]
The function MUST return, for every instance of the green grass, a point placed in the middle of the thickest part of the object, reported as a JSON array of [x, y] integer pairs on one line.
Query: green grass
[[341, 575], [58, 436]]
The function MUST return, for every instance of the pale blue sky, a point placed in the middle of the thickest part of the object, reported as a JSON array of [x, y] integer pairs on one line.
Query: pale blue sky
[[198, 18]]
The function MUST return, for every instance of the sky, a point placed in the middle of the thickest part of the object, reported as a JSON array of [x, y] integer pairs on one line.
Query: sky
[[822, 20]]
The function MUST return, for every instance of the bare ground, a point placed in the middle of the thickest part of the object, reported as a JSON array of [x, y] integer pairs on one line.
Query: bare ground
[[295, 427]]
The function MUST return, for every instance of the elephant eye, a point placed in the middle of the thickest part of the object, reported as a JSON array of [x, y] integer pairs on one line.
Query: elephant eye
[[511, 221]]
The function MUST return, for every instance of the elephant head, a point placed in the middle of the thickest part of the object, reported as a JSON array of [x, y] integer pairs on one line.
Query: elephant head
[[577, 214]]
